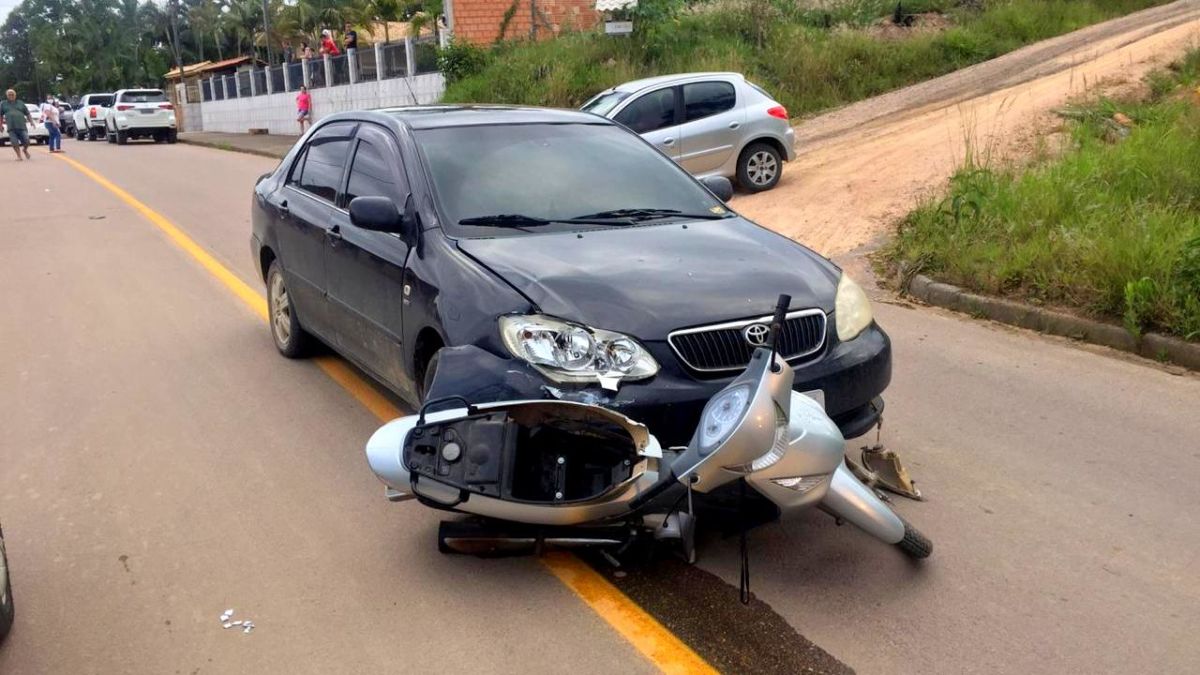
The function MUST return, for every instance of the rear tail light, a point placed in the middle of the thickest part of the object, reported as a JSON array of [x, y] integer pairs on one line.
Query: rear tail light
[[778, 111], [166, 106], [91, 112], [124, 107]]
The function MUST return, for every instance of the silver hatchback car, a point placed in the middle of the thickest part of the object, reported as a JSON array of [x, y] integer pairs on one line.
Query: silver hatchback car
[[713, 124]]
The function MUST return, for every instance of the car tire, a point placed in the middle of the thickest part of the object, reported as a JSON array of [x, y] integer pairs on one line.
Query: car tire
[[172, 137], [289, 336], [759, 167], [122, 137], [7, 611]]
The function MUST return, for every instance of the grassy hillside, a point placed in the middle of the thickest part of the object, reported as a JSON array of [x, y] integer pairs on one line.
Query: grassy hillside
[[1112, 228], [810, 58]]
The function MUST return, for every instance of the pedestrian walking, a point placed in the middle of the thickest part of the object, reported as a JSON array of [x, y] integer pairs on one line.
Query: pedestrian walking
[[14, 115], [303, 108], [50, 118], [328, 46], [350, 41]]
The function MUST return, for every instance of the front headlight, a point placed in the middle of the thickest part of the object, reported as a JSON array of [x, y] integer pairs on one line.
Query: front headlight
[[570, 352], [852, 309]]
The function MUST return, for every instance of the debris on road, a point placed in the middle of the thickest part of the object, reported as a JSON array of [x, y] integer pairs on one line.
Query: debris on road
[[245, 624]]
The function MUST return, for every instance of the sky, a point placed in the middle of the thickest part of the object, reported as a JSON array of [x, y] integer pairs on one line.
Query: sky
[[5, 7]]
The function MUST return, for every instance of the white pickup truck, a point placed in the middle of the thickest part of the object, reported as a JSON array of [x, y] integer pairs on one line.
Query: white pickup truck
[[89, 116], [140, 113]]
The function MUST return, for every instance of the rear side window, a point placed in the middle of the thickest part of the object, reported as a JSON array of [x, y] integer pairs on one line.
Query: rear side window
[[705, 99], [319, 170], [370, 175], [651, 112], [146, 96]]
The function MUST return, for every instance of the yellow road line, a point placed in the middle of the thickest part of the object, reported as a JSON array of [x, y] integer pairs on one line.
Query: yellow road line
[[643, 631], [647, 635]]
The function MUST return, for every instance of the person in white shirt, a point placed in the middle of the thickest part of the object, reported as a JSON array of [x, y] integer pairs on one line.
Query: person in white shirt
[[50, 118]]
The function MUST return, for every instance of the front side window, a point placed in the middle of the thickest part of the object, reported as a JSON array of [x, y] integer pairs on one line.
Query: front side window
[[705, 99], [551, 171], [370, 175], [319, 169], [651, 112]]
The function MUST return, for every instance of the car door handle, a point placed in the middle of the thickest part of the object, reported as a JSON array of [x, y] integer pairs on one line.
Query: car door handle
[[335, 234], [283, 209], [668, 142], [734, 125]]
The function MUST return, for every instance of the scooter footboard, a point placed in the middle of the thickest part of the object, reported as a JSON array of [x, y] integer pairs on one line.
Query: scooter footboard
[[850, 500]]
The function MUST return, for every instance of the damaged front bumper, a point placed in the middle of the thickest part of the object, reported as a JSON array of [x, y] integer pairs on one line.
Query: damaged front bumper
[[852, 375]]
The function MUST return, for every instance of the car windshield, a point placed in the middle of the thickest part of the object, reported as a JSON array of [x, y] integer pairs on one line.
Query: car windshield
[[149, 96], [554, 172], [602, 104]]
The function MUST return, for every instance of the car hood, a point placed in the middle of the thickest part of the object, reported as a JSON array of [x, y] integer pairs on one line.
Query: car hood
[[648, 281]]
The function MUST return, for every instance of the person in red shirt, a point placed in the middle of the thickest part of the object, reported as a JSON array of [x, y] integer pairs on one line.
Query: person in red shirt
[[328, 46], [303, 108]]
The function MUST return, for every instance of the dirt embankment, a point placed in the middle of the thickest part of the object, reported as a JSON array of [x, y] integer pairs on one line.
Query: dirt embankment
[[863, 166]]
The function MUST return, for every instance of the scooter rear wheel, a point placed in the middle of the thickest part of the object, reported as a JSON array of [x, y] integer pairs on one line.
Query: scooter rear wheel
[[914, 544]]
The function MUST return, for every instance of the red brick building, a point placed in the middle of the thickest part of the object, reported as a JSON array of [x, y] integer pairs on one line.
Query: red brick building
[[480, 21]]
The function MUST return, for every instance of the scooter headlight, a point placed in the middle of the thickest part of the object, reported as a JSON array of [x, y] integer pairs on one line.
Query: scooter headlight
[[778, 449], [721, 416], [570, 352]]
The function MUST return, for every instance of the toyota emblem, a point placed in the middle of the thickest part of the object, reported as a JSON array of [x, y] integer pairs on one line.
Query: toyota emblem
[[756, 334]]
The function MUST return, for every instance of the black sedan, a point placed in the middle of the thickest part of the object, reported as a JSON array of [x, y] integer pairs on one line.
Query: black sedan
[[501, 253]]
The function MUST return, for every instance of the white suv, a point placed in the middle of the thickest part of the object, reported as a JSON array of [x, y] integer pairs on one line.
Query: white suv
[[89, 116], [140, 113]]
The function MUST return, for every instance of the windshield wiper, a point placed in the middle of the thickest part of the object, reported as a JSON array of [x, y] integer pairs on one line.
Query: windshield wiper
[[520, 220], [654, 214]]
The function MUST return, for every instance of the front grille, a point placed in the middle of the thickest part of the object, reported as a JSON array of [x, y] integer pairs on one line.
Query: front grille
[[724, 347]]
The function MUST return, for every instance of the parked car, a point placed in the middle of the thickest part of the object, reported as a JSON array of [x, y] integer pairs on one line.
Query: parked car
[[38, 133], [468, 250], [66, 118], [140, 113], [713, 124], [90, 114], [6, 599]]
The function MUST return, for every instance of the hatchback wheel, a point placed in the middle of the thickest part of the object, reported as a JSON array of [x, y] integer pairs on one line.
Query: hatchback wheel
[[759, 167], [290, 339]]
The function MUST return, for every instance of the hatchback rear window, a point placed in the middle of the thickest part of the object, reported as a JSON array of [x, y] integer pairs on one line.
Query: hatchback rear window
[[102, 101], [148, 96]]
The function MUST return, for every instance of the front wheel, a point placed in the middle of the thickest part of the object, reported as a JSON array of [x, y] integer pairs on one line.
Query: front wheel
[[914, 544], [290, 339], [759, 167]]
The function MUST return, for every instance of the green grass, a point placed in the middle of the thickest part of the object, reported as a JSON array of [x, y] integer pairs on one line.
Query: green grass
[[1112, 228], [783, 47]]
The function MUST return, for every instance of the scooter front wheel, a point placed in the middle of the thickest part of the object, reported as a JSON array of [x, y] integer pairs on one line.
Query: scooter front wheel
[[914, 544]]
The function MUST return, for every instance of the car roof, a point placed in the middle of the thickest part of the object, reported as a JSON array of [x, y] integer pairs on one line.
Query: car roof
[[442, 116], [646, 83]]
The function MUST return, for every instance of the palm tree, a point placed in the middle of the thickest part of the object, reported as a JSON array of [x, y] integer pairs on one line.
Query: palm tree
[[381, 11]]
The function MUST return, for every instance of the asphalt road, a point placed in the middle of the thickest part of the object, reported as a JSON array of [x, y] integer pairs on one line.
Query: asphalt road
[[160, 463]]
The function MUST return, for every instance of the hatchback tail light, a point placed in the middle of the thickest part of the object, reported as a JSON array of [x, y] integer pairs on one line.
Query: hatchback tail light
[[166, 106], [124, 107], [778, 111]]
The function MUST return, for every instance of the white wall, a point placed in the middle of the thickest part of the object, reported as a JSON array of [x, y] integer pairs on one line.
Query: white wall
[[277, 112]]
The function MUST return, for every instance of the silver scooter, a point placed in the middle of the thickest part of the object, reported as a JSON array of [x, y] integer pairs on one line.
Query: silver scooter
[[573, 474]]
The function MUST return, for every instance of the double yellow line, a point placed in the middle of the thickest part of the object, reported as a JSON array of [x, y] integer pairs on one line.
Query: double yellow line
[[648, 636]]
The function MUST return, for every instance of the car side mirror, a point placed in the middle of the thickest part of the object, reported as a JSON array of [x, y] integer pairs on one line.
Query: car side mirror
[[719, 186], [378, 214]]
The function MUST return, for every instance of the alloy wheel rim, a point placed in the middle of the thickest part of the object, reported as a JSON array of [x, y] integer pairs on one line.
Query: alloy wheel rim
[[281, 310], [762, 168]]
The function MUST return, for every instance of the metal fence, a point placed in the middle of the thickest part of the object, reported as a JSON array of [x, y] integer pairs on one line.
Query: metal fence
[[395, 61], [378, 62]]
